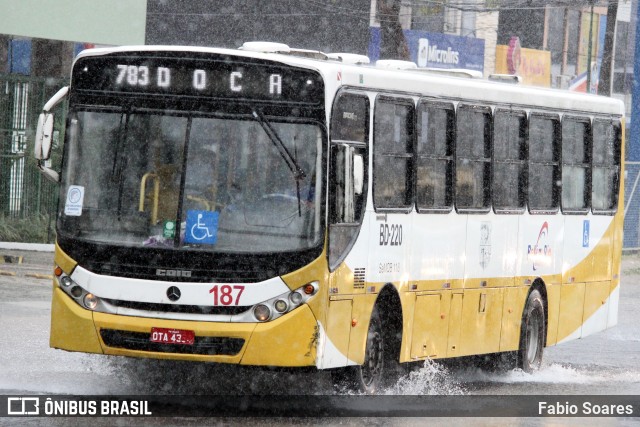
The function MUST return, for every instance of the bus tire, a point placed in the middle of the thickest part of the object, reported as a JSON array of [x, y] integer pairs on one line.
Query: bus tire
[[369, 377], [532, 334]]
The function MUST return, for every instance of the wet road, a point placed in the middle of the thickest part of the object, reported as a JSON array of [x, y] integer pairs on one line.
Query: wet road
[[605, 363]]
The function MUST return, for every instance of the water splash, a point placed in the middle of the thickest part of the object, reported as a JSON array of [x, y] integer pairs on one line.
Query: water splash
[[431, 379]]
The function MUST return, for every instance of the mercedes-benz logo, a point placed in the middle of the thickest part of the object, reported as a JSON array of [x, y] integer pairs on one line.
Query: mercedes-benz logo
[[173, 293]]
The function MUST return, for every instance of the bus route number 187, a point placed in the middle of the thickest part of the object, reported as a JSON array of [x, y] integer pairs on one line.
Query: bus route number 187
[[390, 234]]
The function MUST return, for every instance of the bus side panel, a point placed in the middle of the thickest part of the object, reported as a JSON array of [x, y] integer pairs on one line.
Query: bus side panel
[[430, 326], [438, 251], [491, 250], [481, 320], [571, 311], [616, 269], [72, 326], [596, 307], [512, 317], [553, 312], [338, 329], [455, 325], [361, 313], [588, 247]]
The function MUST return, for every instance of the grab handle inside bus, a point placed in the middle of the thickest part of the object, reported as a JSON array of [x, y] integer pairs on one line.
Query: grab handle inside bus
[[156, 194]]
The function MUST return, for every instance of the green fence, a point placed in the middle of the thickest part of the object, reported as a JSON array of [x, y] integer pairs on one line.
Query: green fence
[[28, 201]]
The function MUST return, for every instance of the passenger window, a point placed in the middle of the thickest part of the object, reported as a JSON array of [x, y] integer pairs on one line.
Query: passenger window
[[576, 158], [393, 153], [350, 120], [544, 169], [434, 169], [510, 161], [473, 158], [606, 166]]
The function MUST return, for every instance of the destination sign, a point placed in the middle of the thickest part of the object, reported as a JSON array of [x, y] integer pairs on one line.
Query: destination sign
[[220, 77]]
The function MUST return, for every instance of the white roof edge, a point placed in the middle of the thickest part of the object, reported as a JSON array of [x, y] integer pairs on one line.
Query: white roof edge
[[613, 105]]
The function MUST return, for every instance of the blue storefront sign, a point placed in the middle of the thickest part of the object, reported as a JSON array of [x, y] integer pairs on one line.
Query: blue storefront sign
[[19, 56], [434, 50]]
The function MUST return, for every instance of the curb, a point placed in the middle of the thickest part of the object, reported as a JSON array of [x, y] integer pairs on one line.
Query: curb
[[37, 247], [39, 276]]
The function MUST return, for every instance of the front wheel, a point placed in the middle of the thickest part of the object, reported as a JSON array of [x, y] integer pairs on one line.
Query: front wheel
[[532, 334], [378, 361]]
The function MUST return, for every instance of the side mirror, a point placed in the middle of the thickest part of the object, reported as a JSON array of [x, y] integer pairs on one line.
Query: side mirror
[[358, 174], [49, 173], [44, 136]]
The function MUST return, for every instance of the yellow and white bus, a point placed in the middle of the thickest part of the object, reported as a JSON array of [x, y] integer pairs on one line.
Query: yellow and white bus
[[273, 207]]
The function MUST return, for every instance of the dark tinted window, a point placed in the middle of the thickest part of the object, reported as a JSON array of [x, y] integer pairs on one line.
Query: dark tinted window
[[473, 158], [576, 143], [544, 170], [606, 166], [434, 174], [509, 160], [350, 119], [393, 151]]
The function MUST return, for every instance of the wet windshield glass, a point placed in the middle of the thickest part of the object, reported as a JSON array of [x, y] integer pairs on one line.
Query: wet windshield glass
[[203, 183]]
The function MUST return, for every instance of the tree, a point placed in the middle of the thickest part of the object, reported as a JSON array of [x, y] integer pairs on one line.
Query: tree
[[393, 44]]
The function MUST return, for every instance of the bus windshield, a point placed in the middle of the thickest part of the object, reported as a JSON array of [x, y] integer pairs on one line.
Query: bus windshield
[[209, 183]]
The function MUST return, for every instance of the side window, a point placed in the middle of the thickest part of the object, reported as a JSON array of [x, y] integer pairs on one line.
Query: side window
[[544, 166], [434, 169], [473, 158], [348, 173], [350, 118], [576, 158], [509, 161], [606, 166], [393, 153]]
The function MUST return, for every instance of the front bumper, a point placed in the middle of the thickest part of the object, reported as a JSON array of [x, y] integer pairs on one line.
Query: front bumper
[[289, 341]]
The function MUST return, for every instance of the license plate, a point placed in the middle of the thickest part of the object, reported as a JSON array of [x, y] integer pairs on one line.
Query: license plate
[[172, 336]]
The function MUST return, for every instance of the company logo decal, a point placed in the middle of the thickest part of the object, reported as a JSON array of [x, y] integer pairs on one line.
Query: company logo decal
[[173, 293], [540, 253], [428, 52]]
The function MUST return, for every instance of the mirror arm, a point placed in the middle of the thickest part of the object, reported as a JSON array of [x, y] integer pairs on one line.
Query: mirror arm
[[49, 173], [55, 99]]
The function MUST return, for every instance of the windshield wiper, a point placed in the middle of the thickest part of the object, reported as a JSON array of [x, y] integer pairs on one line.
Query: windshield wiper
[[292, 164]]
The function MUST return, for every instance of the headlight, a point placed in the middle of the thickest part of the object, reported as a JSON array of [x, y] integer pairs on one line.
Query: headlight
[[283, 304], [262, 312], [90, 301], [80, 295]]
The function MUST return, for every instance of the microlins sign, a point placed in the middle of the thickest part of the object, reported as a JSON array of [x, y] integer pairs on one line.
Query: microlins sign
[[211, 76]]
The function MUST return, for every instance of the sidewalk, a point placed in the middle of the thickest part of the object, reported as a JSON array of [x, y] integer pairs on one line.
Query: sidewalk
[[26, 260]]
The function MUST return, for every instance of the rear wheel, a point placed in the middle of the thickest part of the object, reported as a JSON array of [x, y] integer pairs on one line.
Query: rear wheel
[[532, 334], [379, 365]]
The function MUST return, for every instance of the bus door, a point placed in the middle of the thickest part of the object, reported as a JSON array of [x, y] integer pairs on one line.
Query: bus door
[[347, 250]]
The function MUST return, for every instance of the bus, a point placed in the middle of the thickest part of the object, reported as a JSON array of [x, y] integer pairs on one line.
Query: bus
[[276, 207]]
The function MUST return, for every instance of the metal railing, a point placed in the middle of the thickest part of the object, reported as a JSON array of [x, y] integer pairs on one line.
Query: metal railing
[[24, 192]]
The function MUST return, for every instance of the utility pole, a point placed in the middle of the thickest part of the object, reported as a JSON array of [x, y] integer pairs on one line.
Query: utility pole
[[606, 71], [588, 89]]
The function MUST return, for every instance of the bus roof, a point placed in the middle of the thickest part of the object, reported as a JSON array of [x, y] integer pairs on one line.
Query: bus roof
[[411, 81]]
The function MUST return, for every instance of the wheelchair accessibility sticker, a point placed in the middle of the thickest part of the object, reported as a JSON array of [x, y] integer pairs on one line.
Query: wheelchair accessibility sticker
[[202, 227]]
